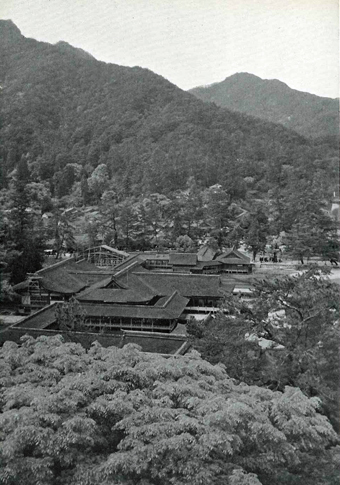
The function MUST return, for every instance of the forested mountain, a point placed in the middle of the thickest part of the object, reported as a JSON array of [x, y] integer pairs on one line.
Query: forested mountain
[[61, 107], [161, 168], [273, 100]]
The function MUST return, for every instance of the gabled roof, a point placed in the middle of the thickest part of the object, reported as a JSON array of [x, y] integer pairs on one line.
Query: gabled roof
[[188, 285], [23, 285], [40, 319], [183, 259], [170, 308], [154, 256], [99, 284], [129, 263], [233, 256], [61, 282], [206, 253], [108, 249], [83, 265], [67, 277]]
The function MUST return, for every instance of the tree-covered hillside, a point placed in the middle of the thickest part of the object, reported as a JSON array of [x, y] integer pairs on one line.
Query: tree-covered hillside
[[61, 107], [272, 100]]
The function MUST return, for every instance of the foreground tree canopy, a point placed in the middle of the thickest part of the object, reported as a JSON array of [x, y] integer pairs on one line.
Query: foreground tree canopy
[[288, 334], [112, 416]]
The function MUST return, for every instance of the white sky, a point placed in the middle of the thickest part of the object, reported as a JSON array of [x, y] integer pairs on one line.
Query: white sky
[[195, 42]]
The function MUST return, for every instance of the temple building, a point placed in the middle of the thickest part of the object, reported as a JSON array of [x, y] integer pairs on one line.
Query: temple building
[[126, 297], [57, 283], [229, 261], [234, 261]]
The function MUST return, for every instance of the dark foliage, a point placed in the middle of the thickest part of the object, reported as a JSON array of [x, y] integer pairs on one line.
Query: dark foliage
[[60, 107], [272, 100], [288, 334]]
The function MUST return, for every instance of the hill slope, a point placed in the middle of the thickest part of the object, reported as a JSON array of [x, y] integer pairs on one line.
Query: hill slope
[[274, 101], [60, 106]]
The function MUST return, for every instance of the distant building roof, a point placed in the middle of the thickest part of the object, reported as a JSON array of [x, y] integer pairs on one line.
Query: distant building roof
[[108, 249], [40, 319], [21, 286], [168, 309], [59, 282], [188, 285], [115, 296], [155, 256], [183, 259], [233, 256], [149, 341], [67, 277], [206, 253], [130, 262]]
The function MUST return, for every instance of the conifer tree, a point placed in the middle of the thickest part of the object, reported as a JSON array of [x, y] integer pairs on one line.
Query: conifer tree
[[26, 236]]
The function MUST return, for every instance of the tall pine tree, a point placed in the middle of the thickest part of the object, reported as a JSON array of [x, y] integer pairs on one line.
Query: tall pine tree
[[26, 254]]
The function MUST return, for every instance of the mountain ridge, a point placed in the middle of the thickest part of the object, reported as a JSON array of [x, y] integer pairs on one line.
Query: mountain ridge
[[244, 74], [60, 110], [274, 101]]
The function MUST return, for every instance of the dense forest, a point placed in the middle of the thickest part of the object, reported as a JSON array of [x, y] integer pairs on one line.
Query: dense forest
[[272, 100], [157, 163], [122, 416], [60, 107]]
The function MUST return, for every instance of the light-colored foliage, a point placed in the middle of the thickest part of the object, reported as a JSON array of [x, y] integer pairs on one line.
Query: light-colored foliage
[[110, 416]]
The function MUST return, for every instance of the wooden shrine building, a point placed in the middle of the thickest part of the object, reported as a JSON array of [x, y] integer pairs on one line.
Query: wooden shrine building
[[103, 256], [234, 261], [58, 283]]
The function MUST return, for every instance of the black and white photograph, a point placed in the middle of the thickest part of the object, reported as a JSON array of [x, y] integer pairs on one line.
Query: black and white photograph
[[169, 242]]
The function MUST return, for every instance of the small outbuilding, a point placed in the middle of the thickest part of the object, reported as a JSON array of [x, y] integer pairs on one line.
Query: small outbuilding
[[233, 261]]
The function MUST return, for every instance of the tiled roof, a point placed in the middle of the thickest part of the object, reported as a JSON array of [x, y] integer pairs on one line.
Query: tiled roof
[[183, 259], [91, 277], [233, 256], [187, 285], [41, 319], [172, 307], [167, 308], [206, 253], [111, 295], [155, 256], [68, 277], [21, 286], [59, 264], [60, 281], [108, 249], [130, 262], [99, 284]]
